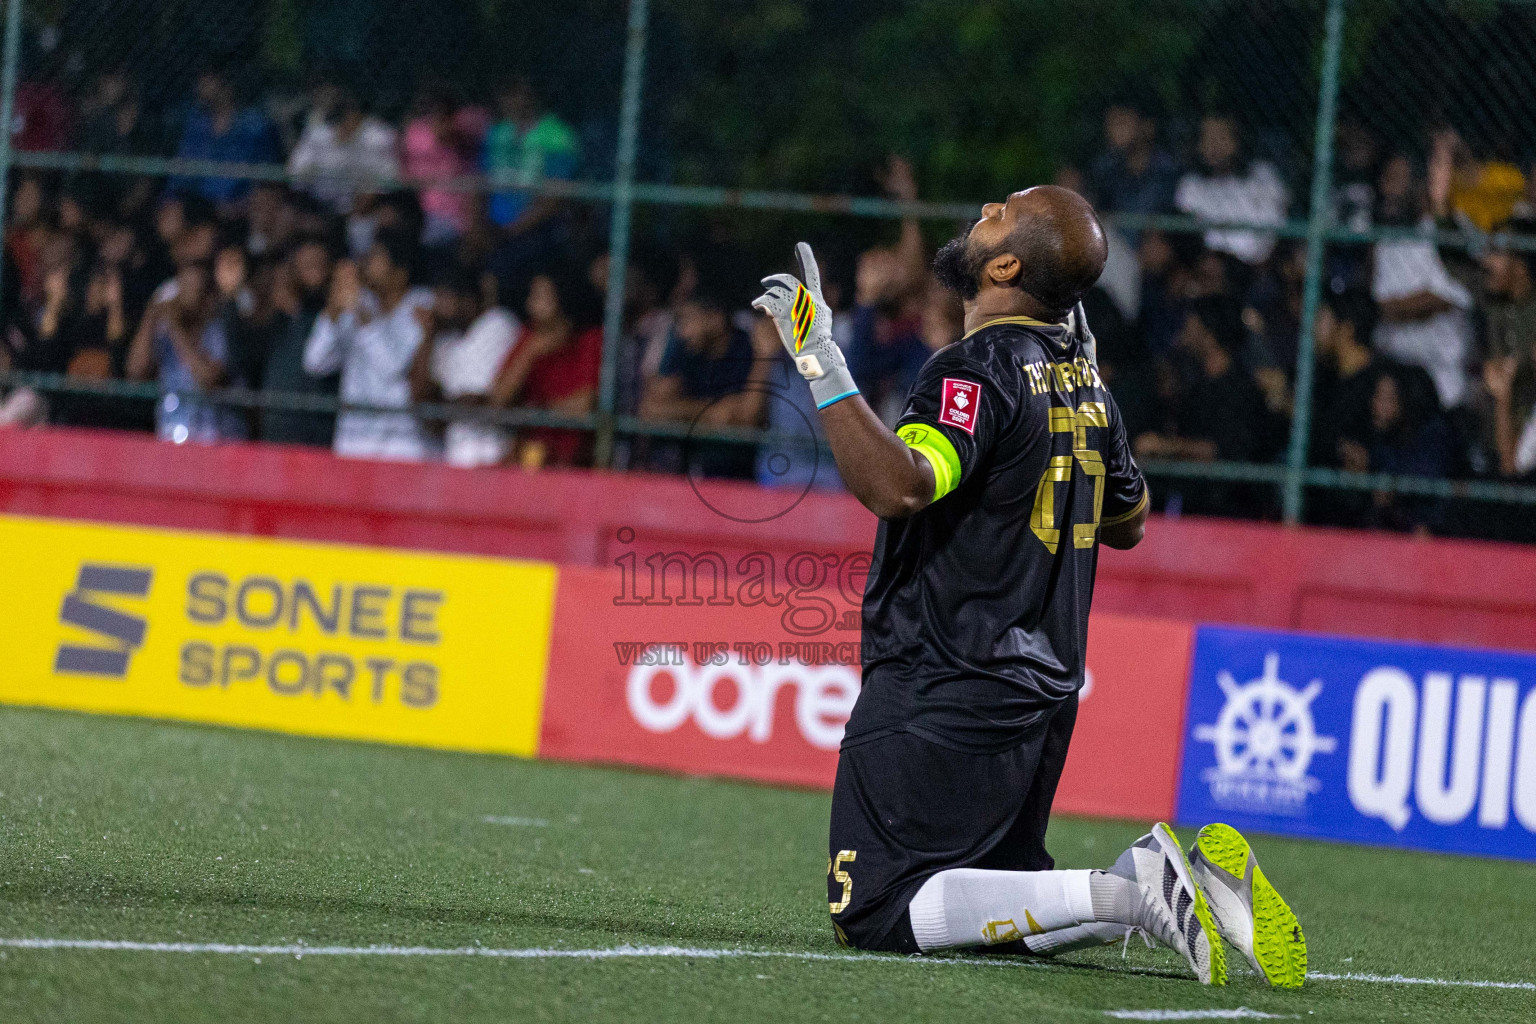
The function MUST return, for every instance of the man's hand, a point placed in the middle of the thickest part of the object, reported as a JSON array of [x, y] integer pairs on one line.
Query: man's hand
[[112, 291], [1077, 323], [889, 478], [56, 287], [426, 318], [1499, 378], [804, 323], [898, 179], [346, 290], [229, 273], [765, 343]]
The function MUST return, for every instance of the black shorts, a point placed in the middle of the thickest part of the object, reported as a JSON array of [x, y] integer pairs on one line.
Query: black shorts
[[904, 809]]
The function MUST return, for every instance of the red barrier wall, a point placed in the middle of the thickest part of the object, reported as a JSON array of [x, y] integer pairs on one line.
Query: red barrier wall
[[675, 686], [1461, 592], [701, 710], [1124, 760]]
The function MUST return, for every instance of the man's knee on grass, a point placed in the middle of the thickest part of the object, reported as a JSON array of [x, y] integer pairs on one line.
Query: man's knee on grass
[[867, 936]]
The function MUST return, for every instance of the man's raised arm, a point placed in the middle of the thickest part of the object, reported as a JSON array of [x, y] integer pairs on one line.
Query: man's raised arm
[[890, 478]]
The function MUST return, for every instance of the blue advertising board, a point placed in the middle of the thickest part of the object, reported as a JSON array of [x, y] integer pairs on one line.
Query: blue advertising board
[[1394, 744]]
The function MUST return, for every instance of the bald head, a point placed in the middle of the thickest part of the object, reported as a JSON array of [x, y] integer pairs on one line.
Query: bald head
[[1061, 244], [1045, 241]]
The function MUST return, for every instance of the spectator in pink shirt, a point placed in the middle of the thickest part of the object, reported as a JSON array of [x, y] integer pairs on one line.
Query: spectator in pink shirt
[[432, 148]]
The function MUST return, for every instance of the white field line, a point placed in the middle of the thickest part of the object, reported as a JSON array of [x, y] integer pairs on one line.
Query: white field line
[[300, 950], [1399, 979], [497, 819], [1241, 1013]]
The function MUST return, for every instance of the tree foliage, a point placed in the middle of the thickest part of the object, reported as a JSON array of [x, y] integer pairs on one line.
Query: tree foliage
[[984, 95]]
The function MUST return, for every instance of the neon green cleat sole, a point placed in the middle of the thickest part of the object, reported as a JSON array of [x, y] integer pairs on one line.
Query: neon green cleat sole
[[1249, 912]]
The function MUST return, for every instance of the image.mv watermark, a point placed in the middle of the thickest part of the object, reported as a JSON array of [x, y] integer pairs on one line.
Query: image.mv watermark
[[816, 592]]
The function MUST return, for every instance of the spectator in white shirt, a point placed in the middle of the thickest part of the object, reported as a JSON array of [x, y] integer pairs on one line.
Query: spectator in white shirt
[[344, 153], [1228, 187], [371, 334], [1425, 312], [466, 345]]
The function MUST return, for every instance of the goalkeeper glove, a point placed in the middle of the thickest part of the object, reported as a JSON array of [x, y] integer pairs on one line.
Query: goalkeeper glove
[[1077, 324], [805, 327]]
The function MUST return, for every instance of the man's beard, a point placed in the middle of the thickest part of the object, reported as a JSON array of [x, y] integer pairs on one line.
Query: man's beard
[[957, 268]]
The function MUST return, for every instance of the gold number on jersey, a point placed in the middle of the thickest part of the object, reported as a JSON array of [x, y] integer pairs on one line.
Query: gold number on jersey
[[1043, 520], [835, 869]]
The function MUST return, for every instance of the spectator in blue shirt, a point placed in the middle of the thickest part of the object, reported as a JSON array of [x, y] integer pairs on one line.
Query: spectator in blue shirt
[[218, 129], [182, 343], [703, 380]]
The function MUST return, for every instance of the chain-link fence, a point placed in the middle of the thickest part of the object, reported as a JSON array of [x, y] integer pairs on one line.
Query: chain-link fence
[[1354, 173]]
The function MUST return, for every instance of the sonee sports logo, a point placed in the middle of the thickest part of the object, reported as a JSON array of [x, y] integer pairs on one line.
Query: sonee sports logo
[[123, 633]]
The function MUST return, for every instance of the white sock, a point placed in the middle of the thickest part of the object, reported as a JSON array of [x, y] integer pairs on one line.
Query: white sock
[[1080, 936], [976, 907]]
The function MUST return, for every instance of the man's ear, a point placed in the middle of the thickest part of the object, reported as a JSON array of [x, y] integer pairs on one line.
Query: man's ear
[[1004, 269]]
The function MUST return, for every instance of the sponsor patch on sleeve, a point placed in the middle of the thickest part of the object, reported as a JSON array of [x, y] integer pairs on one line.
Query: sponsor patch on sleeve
[[960, 404]]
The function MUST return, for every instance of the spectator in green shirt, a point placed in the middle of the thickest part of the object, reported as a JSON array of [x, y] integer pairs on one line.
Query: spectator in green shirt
[[530, 140]]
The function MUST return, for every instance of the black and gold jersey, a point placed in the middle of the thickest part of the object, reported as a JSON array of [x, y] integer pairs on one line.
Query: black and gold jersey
[[976, 609]]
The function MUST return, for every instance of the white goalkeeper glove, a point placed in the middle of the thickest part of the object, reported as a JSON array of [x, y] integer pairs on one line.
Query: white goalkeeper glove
[[804, 323], [1077, 324]]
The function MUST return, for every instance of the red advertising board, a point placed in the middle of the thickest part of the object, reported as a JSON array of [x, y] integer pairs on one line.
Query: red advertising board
[[735, 684], [748, 689], [1124, 759]]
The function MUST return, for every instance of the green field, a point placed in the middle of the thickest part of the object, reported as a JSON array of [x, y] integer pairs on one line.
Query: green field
[[122, 830]]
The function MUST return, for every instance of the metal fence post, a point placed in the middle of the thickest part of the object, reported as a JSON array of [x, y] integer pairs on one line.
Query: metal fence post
[[618, 231], [1317, 226], [7, 114]]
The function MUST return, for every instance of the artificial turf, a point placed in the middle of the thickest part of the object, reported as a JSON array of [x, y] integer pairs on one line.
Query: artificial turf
[[120, 829]]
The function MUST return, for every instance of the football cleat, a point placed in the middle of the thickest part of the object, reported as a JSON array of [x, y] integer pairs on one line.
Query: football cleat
[[1249, 912], [1170, 908]]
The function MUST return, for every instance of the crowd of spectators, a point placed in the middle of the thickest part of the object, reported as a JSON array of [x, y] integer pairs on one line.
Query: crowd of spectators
[[334, 283], [338, 283], [1425, 355]]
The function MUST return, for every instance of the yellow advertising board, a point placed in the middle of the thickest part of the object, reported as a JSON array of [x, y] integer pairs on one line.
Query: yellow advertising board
[[318, 639]]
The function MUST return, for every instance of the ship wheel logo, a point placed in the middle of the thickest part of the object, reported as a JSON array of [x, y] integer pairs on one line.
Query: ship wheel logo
[[1264, 740]]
